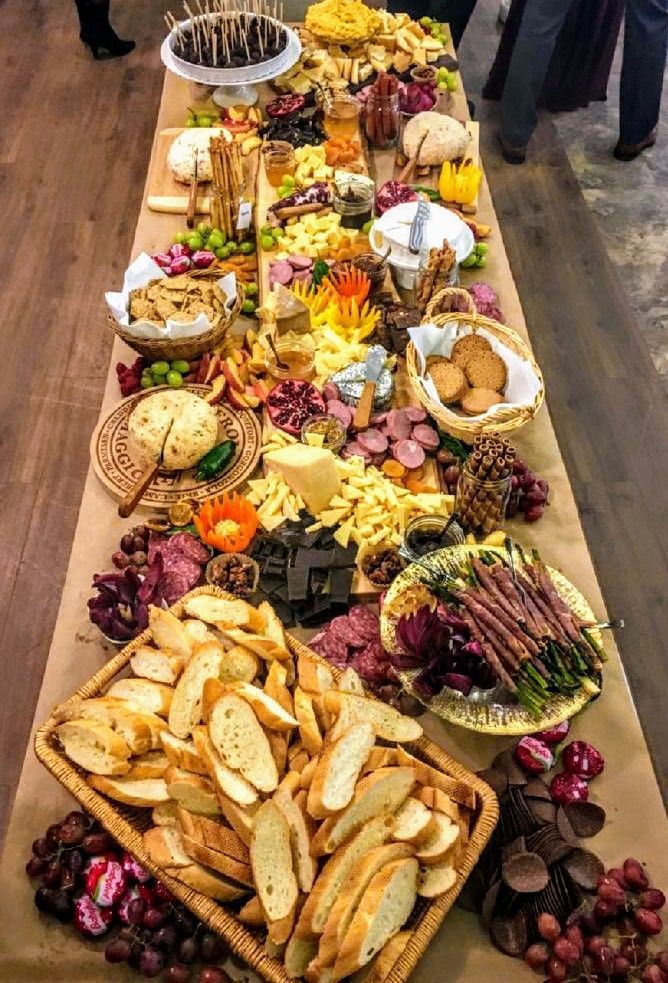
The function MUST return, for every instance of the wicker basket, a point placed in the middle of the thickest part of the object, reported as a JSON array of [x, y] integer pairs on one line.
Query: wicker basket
[[126, 825], [441, 302], [504, 419], [170, 349]]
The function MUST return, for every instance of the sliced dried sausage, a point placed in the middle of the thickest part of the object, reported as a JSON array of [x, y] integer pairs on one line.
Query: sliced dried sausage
[[409, 453]]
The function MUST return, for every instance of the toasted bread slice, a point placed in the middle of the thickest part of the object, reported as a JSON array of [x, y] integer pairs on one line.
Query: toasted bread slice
[[153, 764], [165, 813], [194, 792], [239, 663], [335, 874], [317, 973], [198, 631], [272, 627], [208, 882], [385, 906], [434, 798], [239, 739], [415, 823], [380, 794], [94, 746], [145, 792], [261, 645], [212, 834], [298, 954], [307, 772], [165, 847], [169, 633], [143, 695], [186, 709], [436, 880], [279, 749], [380, 757], [387, 958], [226, 781], [160, 665], [275, 686], [217, 861], [140, 731], [309, 731], [314, 676], [252, 914], [268, 711], [348, 900], [333, 784], [240, 818], [350, 682], [271, 862], [280, 931], [224, 612], [182, 753], [458, 791], [438, 847], [301, 831], [388, 723]]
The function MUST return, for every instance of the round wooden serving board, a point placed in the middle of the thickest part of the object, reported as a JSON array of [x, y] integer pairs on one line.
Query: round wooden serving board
[[118, 471]]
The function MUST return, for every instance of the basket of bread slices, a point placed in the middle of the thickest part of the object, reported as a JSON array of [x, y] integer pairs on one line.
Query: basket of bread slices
[[312, 826]]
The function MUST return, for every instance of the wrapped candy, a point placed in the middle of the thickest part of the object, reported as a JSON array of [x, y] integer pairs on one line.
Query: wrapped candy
[[566, 789], [556, 734], [106, 883], [582, 759], [534, 755], [134, 869], [90, 919]]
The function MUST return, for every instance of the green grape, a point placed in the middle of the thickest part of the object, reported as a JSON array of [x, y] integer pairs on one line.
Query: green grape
[[283, 192], [181, 238], [288, 181], [247, 248], [251, 289], [425, 22], [215, 241], [220, 252], [276, 232], [267, 242], [146, 382], [205, 121], [158, 380], [366, 228], [482, 248], [435, 30], [443, 86], [451, 83], [248, 307], [204, 229], [266, 230], [481, 262], [160, 368], [174, 379], [195, 241], [190, 122], [180, 365], [470, 261], [232, 247]]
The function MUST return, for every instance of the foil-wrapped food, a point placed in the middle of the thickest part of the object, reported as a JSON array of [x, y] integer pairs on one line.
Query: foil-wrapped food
[[350, 383]]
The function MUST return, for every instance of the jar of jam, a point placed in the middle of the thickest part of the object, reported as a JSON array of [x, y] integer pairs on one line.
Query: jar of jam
[[279, 159], [296, 352], [426, 533], [354, 203]]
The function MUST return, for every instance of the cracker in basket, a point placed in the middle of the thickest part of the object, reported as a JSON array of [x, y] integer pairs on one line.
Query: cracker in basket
[[181, 297]]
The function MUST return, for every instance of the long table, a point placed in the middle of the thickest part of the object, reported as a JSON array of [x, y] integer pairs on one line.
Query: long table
[[35, 948]]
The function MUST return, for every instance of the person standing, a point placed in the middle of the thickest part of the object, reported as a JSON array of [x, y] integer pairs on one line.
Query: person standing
[[96, 31], [644, 59]]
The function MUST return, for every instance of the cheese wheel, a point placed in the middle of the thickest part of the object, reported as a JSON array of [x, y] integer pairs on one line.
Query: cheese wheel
[[193, 423]]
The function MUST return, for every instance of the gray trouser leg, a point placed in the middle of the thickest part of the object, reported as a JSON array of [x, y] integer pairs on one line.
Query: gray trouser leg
[[541, 22], [645, 40]]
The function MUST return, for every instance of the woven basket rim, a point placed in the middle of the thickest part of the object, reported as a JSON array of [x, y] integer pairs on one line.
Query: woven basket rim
[[446, 292], [242, 942]]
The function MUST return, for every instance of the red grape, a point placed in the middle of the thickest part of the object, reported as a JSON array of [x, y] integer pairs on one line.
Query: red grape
[[590, 924], [634, 874], [51, 875], [548, 926], [36, 866], [604, 959], [605, 910], [617, 874], [44, 897], [165, 938], [117, 951], [52, 835], [574, 935], [68, 879], [210, 947], [177, 973], [566, 951], [626, 926], [648, 922], [151, 962], [75, 861], [633, 950], [652, 974], [620, 968], [163, 892], [154, 918], [662, 960], [536, 955], [653, 899], [556, 970], [594, 944], [212, 974], [40, 847], [135, 911], [76, 816], [188, 951], [533, 513], [63, 906], [94, 843], [611, 891], [71, 834]]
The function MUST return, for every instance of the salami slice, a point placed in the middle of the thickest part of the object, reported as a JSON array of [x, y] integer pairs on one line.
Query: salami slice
[[415, 414], [426, 436], [342, 628], [353, 449], [301, 275], [371, 663], [373, 441], [300, 262], [330, 391], [409, 453], [378, 419], [398, 424], [190, 546], [365, 621], [280, 271], [341, 411], [173, 585], [333, 649]]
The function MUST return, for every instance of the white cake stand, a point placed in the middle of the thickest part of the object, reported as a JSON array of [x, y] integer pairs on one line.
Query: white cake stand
[[233, 86]]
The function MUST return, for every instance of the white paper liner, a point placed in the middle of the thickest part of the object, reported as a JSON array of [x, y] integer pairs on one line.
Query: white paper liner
[[522, 384], [138, 274]]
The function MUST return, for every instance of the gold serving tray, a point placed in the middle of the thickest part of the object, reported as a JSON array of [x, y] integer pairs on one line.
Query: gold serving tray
[[486, 714]]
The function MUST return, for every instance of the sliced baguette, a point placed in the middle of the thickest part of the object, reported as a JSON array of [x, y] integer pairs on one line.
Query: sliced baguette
[[271, 862], [275, 686], [380, 757], [385, 906], [240, 818], [143, 695], [252, 914], [314, 676], [170, 633], [226, 781], [309, 731], [333, 784], [279, 749], [279, 931], [350, 682], [458, 791], [140, 731], [186, 708], [348, 900], [217, 861], [380, 794], [335, 874], [94, 746], [208, 882], [239, 739], [147, 792], [239, 663], [261, 645], [307, 772], [298, 954], [182, 753], [194, 792], [438, 847], [213, 834], [272, 627], [165, 814], [268, 711], [226, 611], [387, 958], [153, 764], [165, 847], [389, 724], [415, 823], [301, 830], [434, 798], [436, 880], [160, 665], [198, 630]]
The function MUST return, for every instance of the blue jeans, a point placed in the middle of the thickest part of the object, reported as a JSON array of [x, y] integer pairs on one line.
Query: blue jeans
[[645, 40]]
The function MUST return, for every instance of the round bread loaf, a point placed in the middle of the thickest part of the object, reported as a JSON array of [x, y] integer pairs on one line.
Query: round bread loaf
[[181, 154], [193, 423]]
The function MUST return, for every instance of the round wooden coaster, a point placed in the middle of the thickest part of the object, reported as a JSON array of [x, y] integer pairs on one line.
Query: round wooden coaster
[[118, 471]]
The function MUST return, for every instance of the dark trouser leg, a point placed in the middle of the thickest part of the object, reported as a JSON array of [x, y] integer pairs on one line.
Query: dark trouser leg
[[645, 40], [541, 23], [457, 13]]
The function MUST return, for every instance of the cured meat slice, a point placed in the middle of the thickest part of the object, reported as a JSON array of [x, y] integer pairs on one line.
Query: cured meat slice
[[333, 649], [371, 663], [398, 424], [300, 262], [373, 441], [341, 411], [280, 271], [190, 546], [409, 453], [415, 414], [174, 585], [342, 628], [353, 449], [365, 622], [331, 391], [426, 436], [378, 419]]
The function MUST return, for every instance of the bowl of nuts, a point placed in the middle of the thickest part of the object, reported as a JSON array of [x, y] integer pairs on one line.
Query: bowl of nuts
[[233, 572]]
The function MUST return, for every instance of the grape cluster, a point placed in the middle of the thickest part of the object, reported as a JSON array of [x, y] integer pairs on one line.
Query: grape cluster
[[154, 933], [129, 376], [608, 942], [133, 550], [528, 493]]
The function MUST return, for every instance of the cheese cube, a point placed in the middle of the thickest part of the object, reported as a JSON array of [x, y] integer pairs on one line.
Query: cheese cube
[[309, 471]]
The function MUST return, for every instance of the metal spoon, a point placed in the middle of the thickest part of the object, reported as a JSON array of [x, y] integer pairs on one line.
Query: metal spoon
[[280, 364]]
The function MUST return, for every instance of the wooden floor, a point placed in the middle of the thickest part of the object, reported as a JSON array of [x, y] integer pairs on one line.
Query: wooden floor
[[74, 145]]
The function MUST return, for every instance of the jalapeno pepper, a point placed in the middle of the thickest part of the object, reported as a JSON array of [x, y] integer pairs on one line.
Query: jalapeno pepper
[[217, 459]]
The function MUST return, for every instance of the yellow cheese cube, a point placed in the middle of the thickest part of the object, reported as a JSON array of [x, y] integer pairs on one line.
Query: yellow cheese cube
[[343, 533]]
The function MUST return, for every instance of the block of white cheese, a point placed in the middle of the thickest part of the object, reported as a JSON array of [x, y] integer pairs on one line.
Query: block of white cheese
[[310, 472]]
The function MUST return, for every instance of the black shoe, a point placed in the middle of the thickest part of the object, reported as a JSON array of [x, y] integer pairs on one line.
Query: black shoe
[[511, 155], [108, 42], [629, 151]]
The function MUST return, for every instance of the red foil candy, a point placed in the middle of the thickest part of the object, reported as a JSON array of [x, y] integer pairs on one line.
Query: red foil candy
[[556, 734], [533, 755], [90, 919], [566, 788], [106, 884], [582, 759]]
